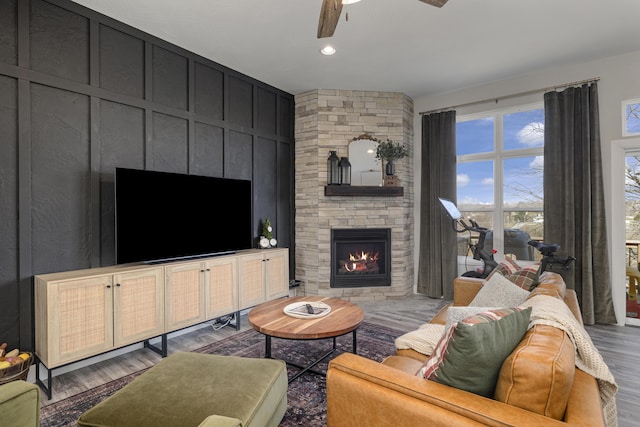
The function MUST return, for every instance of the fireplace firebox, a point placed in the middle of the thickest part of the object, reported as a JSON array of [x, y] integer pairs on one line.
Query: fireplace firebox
[[360, 257]]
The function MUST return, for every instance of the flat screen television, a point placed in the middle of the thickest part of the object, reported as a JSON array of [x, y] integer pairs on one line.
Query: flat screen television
[[163, 216]]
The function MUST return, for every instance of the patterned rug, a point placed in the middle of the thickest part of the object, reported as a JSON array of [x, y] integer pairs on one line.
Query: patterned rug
[[306, 395]]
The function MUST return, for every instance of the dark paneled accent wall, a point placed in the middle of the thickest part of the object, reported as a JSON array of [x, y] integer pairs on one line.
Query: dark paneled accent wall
[[82, 94]]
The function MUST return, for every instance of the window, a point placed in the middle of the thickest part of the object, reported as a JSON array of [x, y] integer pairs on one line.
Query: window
[[499, 177], [631, 117]]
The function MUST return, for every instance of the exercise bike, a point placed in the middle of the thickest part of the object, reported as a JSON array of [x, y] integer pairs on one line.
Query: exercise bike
[[477, 249], [548, 262]]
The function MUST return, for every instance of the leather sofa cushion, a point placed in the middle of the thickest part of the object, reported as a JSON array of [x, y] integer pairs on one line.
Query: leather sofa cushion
[[538, 375]]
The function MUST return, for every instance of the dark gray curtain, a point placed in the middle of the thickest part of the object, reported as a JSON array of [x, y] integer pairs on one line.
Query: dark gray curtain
[[437, 262], [574, 213]]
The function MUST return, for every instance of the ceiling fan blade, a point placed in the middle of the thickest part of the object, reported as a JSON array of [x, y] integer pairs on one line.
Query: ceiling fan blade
[[329, 16], [436, 3]]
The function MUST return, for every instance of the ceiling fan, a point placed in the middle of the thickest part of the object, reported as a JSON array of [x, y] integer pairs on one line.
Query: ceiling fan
[[330, 13]]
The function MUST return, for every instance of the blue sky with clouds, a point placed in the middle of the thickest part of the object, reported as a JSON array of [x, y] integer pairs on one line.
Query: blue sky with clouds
[[522, 176]]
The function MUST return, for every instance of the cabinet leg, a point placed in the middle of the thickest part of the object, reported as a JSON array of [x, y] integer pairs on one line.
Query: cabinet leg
[[162, 350], [237, 316], [47, 388]]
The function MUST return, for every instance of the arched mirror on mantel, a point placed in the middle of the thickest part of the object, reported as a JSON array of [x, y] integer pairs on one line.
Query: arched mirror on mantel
[[366, 170]]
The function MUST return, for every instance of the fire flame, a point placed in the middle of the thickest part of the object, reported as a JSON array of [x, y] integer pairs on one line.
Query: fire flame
[[361, 262]]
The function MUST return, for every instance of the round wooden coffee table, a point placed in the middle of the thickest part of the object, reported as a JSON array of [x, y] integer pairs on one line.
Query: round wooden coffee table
[[270, 320]]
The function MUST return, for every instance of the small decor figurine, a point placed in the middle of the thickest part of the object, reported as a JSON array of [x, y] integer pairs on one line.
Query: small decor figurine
[[266, 239]]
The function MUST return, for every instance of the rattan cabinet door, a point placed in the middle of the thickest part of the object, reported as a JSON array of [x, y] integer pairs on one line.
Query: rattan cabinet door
[[138, 305], [251, 287], [277, 273], [184, 295], [78, 321], [221, 278]]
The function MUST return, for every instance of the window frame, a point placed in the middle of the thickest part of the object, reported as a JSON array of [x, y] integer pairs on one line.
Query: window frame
[[625, 104], [498, 156]]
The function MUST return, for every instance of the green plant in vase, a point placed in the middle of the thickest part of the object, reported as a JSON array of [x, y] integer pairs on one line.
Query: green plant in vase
[[388, 151]]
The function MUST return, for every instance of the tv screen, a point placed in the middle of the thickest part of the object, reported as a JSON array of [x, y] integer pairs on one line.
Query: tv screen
[[163, 216]]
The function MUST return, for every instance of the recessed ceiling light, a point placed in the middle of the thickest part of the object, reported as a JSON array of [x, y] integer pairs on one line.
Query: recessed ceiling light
[[328, 50], [349, 1]]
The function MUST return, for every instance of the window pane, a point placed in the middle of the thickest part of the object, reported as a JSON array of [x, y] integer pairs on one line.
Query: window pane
[[632, 119], [474, 136], [632, 177], [519, 225], [475, 185], [524, 129], [523, 187], [632, 209]]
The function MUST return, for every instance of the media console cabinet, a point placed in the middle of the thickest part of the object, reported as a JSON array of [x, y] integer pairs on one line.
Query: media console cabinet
[[84, 313]]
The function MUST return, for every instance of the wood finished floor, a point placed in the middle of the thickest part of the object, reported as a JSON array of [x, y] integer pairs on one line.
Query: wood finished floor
[[619, 346]]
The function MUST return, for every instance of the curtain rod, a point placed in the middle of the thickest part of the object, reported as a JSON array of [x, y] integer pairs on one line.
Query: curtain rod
[[529, 92]]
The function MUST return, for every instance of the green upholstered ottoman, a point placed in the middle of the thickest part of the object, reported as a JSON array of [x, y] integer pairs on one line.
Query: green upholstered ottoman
[[19, 404], [186, 388]]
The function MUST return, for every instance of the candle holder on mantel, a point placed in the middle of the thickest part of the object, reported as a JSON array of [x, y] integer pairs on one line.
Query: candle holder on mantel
[[345, 171], [333, 169]]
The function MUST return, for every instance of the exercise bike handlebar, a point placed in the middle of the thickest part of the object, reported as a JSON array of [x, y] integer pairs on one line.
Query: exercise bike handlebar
[[466, 227]]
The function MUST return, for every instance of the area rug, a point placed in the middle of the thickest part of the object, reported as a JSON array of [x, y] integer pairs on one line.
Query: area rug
[[306, 395]]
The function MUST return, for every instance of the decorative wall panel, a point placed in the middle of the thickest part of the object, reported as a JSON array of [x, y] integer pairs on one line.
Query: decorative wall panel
[[238, 156], [169, 78], [240, 102], [170, 148], [95, 94], [121, 145], [209, 97], [267, 111], [8, 32], [266, 189], [121, 62], [208, 152], [60, 180], [10, 311], [59, 42]]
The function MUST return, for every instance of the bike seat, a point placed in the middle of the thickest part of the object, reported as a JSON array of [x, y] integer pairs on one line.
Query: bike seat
[[545, 248]]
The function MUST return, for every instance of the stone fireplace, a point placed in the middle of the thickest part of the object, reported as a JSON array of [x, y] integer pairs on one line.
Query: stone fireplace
[[360, 257], [328, 120]]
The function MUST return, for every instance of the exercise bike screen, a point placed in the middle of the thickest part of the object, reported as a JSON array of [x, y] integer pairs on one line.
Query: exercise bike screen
[[451, 208]]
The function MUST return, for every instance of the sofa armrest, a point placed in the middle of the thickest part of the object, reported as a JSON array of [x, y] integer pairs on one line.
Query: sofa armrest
[[465, 289], [571, 299], [362, 392]]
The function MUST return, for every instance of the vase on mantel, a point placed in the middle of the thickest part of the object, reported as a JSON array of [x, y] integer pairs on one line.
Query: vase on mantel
[[390, 168]]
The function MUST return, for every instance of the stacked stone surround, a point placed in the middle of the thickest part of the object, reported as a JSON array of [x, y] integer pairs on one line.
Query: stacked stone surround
[[328, 120]]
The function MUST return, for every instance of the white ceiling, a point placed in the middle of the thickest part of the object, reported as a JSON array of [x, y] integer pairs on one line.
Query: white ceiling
[[388, 45]]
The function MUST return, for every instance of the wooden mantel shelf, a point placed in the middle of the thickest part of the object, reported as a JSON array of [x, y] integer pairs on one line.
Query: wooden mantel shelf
[[362, 190]]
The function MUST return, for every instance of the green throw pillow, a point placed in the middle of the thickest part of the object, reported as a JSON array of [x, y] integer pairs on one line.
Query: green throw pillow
[[470, 354]]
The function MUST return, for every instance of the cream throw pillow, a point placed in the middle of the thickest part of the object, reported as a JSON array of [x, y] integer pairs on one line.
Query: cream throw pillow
[[458, 313], [498, 291]]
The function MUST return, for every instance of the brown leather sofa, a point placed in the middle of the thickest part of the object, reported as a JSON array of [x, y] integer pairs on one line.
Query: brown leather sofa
[[538, 384]]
